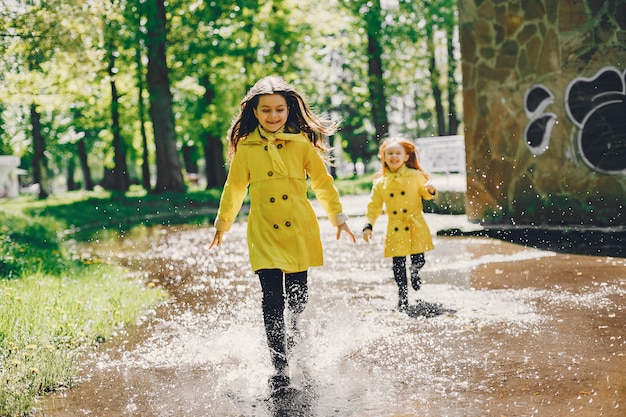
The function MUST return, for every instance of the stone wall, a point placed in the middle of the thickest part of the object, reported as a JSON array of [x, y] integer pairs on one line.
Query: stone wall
[[544, 88]]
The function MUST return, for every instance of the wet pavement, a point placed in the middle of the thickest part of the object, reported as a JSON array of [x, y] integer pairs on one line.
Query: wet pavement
[[497, 329]]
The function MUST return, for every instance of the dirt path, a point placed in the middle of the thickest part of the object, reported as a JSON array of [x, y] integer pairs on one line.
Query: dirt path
[[501, 330]]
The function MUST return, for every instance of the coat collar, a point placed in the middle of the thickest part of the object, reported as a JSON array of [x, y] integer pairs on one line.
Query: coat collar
[[399, 173], [391, 177], [260, 135]]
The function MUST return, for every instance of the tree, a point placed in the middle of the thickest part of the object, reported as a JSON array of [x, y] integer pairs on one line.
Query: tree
[[132, 40], [367, 64], [169, 175], [120, 171], [441, 20], [84, 164], [435, 81], [40, 162], [5, 146], [43, 51], [373, 20], [145, 161], [212, 144], [371, 13], [453, 85]]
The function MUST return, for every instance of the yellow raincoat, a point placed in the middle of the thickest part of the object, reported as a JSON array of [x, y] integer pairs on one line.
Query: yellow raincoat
[[401, 192], [283, 231]]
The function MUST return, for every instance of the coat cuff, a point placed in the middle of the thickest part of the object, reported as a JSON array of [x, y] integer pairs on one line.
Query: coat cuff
[[223, 226], [340, 218]]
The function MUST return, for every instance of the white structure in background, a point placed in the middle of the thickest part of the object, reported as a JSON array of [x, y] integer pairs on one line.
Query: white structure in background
[[442, 154], [9, 184], [444, 157]]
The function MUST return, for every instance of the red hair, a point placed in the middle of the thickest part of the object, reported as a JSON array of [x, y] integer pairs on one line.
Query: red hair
[[409, 148]]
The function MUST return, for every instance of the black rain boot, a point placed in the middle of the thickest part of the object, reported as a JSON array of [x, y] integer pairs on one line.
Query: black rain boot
[[280, 378], [417, 262], [403, 301], [278, 382], [416, 281]]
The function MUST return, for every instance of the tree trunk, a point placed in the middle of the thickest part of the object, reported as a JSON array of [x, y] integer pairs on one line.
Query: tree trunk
[[145, 160], [120, 171], [214, 161], [190, 158], [435, 77], [375, 66], [40, 163], [82, 157], [453, 86], [213, 147], [169, 175], [71, 170]]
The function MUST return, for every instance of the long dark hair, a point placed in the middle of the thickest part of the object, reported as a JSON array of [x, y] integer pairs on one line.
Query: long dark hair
[[301, 118]]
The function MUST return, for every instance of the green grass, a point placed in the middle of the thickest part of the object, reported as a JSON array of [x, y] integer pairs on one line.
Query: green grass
[[53, 304], [28, 244], [354, 185], [47, 321], [82, 210]]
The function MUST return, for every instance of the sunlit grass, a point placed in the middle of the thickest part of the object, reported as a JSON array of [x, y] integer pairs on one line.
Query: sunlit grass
[[47, 321], [80, 210], [355, 185], [28, 245], [53, 303]]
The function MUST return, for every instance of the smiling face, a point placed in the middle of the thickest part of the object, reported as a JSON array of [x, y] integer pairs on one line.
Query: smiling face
[[272, 112], [395, 156]]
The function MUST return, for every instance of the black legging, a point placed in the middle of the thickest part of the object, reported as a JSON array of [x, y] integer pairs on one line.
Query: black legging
[[399, 267], [399, 270], [399, 274], [273, 304]]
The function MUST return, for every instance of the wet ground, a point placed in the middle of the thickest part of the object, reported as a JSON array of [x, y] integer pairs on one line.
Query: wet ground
[[497, 329]]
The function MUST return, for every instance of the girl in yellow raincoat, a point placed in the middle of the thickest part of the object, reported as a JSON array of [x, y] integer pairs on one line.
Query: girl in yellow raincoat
[[276, 142], [400, 187]]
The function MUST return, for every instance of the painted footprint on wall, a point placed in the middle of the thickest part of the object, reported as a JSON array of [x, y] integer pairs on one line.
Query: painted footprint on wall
[[539, 128], [597, 105]]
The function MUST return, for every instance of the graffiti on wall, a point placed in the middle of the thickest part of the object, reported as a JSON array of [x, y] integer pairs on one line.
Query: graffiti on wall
[[597, 106], [539, 127]]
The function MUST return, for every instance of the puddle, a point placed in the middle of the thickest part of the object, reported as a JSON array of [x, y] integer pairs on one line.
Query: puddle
[[497, 329]]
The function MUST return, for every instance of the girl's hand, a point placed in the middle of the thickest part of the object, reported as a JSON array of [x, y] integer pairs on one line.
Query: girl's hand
[[217, 239], [345, 228], [367, 235], [430, 187]]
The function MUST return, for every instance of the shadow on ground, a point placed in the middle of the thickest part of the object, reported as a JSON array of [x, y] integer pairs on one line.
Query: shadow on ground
[[585, 242], [425, 309]]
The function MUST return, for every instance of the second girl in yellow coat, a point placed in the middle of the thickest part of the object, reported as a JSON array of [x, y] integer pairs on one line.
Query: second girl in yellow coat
[[400, 188]]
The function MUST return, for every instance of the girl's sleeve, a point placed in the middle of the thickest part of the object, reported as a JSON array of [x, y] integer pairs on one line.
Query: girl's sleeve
[[423, 191], [235, 190], [323, 185], [375, 205]]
